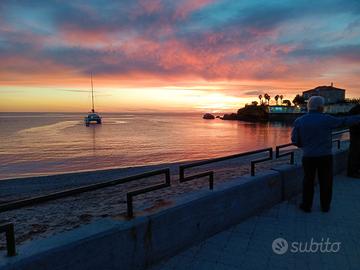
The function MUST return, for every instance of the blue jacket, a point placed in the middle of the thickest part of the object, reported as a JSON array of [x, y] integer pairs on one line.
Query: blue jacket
[[313, 132]]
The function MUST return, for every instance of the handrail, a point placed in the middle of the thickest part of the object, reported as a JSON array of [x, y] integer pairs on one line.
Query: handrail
[[8, 229], [338, 141], [131, 194], [340, 132], [290, 153], [70, 192], [210, 174], [254, 162]]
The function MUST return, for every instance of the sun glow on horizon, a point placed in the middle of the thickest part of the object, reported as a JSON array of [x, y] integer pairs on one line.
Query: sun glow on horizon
[[116, 100], [173, 55]]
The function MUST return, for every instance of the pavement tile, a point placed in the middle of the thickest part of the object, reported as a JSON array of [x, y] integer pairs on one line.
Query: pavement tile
[[248, 245]]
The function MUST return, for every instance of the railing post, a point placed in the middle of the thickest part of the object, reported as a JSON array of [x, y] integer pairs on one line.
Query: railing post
[[211, 181], [167, 176], [252, 169], [10, 239], [129, 203], [181, 173], [270, 150], [8, 229], [131, 194], [291, 154], [292, 158]]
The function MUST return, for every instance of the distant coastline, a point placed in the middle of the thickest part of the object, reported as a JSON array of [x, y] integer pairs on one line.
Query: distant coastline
[[264, 113], [287, 111], [251, 113]]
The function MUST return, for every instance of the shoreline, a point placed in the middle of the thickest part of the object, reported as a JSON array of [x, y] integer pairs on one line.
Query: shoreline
[[53, 217], [64, 214]]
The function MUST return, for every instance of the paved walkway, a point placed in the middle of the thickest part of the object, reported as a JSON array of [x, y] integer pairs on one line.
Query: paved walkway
[[249, 245]]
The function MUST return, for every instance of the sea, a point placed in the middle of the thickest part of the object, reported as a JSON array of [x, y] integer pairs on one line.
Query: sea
[[34, 144]]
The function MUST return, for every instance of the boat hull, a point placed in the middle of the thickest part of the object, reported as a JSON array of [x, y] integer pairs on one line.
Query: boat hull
[[92, 119]]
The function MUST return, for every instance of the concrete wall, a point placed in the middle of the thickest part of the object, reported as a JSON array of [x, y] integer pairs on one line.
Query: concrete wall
[[145, 240], [340, 161], [135, 244], [291, 177]]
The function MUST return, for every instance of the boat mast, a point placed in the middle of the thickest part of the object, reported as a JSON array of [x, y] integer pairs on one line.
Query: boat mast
[[92, 93]]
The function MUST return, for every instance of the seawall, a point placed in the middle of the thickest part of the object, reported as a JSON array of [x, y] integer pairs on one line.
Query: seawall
[[146, 239]]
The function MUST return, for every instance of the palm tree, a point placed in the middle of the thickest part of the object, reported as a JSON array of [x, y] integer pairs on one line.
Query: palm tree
[[281, 98], [287, 102], [267, 97], [260, 97], [299, 100], [276, 99]]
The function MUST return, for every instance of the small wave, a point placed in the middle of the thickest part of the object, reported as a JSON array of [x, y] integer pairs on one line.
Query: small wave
[[52, 128]]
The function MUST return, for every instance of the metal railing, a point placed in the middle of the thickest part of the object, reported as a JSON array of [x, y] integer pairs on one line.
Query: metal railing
[[8, 229], [288, 153], [210, 174], [131, 194], [338, 140], [75, 191], [292, 153]]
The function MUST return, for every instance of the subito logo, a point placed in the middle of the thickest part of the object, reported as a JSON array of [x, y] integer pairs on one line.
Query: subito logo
[[280, 246]]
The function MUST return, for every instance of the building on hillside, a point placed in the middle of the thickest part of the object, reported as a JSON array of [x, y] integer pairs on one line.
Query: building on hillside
[[330, 93]]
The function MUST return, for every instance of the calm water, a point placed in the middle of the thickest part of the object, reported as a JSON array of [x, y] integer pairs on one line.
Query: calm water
[[43, 143]]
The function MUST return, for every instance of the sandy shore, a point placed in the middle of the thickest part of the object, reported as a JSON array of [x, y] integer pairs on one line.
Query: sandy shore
[[64, 214]]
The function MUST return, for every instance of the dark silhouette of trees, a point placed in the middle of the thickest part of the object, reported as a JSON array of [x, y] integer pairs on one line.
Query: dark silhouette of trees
[[299, 100], [267, 97], [286, 102]]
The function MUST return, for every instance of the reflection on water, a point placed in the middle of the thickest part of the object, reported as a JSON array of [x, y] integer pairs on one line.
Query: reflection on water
[[35, 144]]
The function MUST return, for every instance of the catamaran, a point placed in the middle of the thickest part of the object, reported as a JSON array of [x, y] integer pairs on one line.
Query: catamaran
[[92, 117]]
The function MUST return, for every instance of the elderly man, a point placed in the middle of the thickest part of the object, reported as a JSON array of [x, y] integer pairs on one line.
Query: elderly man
[[313, 134]]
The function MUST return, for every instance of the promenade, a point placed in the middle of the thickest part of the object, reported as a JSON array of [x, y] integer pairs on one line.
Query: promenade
[[248, 245]]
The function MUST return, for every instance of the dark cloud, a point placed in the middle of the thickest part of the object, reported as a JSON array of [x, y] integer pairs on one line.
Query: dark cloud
[[172, 38], [253, 93], [349, 53]]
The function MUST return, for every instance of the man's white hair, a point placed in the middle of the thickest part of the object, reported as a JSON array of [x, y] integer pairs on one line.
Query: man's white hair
[[315, 102]]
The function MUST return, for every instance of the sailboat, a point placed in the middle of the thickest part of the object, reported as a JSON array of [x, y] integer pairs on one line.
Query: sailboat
[[92, 117]]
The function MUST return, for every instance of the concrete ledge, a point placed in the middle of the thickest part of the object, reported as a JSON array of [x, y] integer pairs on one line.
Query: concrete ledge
[[292, 178], [340, 161], [135, 244], [199, 219]]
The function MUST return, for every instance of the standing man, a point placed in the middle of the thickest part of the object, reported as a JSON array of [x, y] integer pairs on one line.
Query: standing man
[[313, 134]]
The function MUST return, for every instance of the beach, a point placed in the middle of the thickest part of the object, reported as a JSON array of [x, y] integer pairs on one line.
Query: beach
[[43, 220]]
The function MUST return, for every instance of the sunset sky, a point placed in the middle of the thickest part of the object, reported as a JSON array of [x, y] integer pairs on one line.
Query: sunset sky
[[153, 55]]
